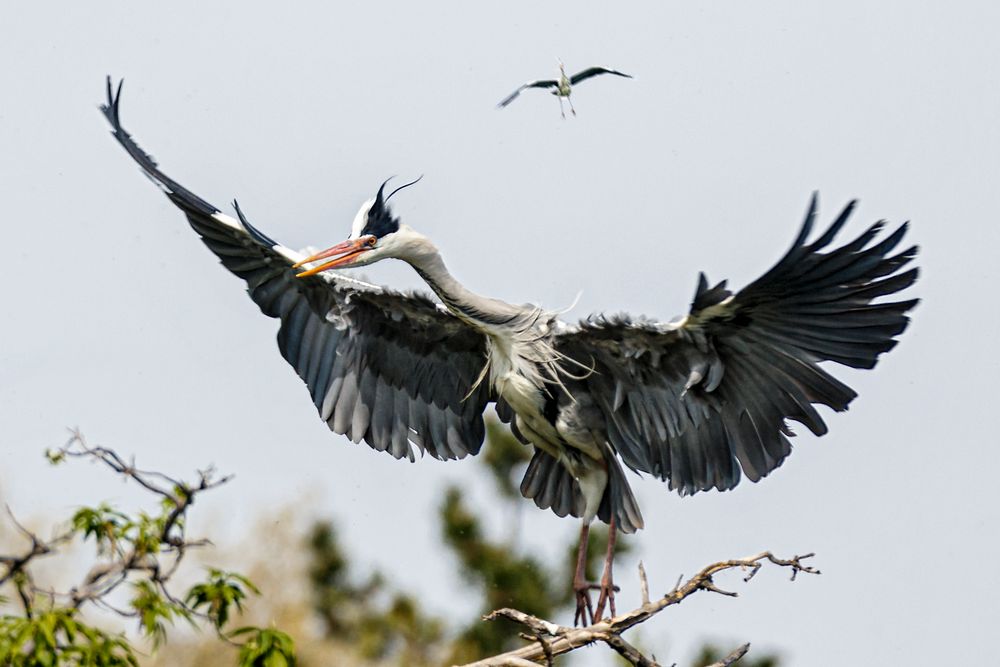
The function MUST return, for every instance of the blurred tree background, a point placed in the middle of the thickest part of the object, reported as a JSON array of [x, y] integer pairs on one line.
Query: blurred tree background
[[341, 614]]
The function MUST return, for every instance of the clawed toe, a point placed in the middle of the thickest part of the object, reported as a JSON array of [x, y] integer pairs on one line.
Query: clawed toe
[[584, 608], [606, 598]]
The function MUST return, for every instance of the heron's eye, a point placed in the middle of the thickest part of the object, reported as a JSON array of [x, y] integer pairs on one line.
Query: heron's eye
[[372, 240]]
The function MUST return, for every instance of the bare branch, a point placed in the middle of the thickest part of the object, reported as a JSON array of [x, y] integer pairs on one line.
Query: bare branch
[[709, 585], [628, 651], [564, 639], [512, 661], [77, 447], [550, 660], [732, 657], [539, 626], [17, 565], [643, 583]]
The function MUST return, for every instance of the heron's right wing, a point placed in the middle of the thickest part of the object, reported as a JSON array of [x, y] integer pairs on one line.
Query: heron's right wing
[[696, 402], [389, 368], [583, 75], [541, 83]]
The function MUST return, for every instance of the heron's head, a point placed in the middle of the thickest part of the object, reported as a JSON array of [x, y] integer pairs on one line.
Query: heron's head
[[375, 235]]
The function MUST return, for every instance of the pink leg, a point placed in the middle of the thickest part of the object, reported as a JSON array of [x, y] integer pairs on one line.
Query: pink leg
[[580, 584], [608, 588]]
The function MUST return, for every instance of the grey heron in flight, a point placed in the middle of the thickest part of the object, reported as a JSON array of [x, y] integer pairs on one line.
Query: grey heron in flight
[[698, 403], [563, 86]]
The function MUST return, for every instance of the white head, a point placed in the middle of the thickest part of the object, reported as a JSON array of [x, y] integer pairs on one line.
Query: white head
[[375, 235]]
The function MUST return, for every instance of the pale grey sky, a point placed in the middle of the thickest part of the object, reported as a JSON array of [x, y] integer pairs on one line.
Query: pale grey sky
[[120, 322]]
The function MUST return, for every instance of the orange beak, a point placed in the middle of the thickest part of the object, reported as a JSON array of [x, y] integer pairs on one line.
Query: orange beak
[[347, 250]]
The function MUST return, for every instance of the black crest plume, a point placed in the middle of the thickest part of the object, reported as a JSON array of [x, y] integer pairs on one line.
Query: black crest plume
[[380, 219]]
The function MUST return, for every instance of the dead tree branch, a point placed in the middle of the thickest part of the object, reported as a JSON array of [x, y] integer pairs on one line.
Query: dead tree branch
[[732, 657], [552, 639]]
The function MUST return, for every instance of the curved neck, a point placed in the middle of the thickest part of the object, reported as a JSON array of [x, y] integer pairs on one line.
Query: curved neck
[[478, 310]]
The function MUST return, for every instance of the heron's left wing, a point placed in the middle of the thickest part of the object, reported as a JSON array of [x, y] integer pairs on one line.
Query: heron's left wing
[[583, 75], [541, 83], [696, 402], [389, 368]]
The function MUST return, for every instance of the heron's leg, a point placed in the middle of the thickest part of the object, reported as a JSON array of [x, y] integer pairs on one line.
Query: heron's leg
[[561, 112], [608, 587], [569, 98], [580, 584]]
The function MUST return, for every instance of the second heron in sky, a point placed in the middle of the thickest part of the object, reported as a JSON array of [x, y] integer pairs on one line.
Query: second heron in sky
[[563, 86]]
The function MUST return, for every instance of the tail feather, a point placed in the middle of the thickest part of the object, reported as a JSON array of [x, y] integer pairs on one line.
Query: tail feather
[[551, 486]]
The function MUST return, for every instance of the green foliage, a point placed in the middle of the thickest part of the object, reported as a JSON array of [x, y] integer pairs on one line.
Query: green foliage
[[503, 456], [104, 523], [58, 637], [55, 456], [129, 549], [338, 600], [109, 527], [220, 593], [146, 533], [155, 611], [265, 648], [356, 611]]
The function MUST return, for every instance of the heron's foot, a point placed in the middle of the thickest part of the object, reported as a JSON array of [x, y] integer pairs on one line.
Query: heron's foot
[[574, 111], [584, 607], [605, 599]]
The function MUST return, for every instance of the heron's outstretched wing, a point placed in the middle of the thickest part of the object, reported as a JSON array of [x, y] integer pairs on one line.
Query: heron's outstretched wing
[[389, 368], [695, 402], [583, 75], [541, 83]]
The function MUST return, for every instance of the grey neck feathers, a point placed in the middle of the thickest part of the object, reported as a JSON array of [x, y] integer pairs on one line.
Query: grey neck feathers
[[466, 304], [522, 332]]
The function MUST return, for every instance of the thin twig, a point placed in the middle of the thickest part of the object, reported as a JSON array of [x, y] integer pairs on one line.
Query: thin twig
[[732, 657], [17, 564], [643, 583], [628, 651]]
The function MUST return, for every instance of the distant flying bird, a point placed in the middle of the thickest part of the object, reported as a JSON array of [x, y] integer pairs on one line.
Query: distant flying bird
[[563, 85], [696, 402]]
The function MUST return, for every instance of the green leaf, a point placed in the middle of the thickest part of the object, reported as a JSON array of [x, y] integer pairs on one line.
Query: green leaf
[[104, 523], [155, 611], [55, 456], [265, 648], [146, 533], [216, 596]]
